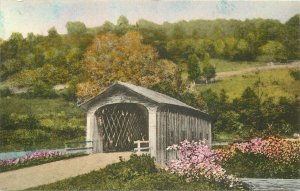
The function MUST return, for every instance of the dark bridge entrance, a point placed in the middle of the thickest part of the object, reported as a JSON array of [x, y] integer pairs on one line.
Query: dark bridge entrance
[[121, 124]]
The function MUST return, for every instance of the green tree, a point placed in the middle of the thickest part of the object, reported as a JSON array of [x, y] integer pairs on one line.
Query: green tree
[[229, 121], [249, 108], [178, 32], [230, 48], [293, 33], [122, 26], [76, 28], [219, 48], [194, 70], [243, 50], [274, 51], [107, 27], [52, 32], [209, 72]]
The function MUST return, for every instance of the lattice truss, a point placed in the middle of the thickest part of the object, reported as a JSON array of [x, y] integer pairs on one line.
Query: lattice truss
[[121, 125]]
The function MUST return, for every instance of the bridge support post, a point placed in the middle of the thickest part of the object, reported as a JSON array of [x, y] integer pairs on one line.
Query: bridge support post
[[91, 134], [152, 131]]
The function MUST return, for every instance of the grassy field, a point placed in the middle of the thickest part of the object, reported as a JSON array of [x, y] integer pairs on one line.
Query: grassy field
[[39, 123], [275, 83], [225, 65]]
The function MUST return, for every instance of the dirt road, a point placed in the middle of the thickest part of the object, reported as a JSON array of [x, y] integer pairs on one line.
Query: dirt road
[[55, 171], [246, 70]]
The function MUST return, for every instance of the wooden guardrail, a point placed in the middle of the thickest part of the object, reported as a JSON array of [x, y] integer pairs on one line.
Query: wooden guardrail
[[75, 146], [140, 149]]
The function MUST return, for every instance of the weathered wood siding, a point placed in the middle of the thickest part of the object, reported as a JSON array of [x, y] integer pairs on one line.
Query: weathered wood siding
[[175, 124]]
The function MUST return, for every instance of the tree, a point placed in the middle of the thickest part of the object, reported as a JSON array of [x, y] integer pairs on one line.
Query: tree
[[76, 28], [107, 27], [178, 32], [111, 58], [274, 51], [243, 50], [230, 48], [122, 26], [122, 21], [249, 108], [293, 33], [194, 70], [211, 99], [219, 47], [52, 32], [209, 71]]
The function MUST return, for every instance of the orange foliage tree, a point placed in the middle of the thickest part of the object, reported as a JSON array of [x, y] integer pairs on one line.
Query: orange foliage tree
[[111, 58]]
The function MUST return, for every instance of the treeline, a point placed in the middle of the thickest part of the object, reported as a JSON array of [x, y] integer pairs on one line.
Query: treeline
[[55, 58], [249, 115]]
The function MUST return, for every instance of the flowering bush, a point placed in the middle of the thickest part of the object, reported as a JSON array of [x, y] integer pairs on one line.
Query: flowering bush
[[198, 161], [279, 150], [30, 157], [262, 158]]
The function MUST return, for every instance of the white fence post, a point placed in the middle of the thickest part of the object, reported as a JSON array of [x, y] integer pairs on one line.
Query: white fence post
[[139, 146], [140, 149]]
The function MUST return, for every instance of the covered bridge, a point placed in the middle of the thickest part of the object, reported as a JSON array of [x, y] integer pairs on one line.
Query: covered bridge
[[125, 113]]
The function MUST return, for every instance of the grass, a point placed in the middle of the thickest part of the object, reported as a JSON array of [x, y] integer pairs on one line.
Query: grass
[[275, 83], [225, 65], [39, 162], [58, 121], [225, 137], [139, 173]]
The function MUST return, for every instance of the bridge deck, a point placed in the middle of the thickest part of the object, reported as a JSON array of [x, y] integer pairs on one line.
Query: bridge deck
[[55, 171]]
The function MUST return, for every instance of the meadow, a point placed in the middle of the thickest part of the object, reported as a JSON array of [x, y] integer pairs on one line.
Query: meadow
[[39, 123], [269, 83], [226, 65]]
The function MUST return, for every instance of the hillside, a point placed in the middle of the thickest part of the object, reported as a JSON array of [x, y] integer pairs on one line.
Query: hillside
[[39, 123], [274, 82]]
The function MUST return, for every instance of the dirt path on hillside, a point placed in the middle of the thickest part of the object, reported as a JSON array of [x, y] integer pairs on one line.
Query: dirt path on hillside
[[260, 68], [55, 171]]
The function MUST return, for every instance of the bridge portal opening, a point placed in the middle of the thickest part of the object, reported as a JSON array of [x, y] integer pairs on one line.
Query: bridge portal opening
[[121, 124]]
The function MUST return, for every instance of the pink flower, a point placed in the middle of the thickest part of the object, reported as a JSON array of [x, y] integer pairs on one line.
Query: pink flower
[[198, 161]]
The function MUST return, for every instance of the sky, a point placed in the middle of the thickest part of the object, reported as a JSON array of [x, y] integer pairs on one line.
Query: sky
[[38, 16]]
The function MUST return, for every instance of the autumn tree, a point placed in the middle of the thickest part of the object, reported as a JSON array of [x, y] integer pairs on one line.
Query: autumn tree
[[111, 58]]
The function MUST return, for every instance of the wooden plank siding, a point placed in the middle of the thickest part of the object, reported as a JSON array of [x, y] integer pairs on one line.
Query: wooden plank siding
[[174, 126]]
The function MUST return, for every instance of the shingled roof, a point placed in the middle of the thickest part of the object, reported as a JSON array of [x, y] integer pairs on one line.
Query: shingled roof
[[150, 94]]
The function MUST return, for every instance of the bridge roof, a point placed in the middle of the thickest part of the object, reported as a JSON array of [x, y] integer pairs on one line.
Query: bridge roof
[[154, 96]]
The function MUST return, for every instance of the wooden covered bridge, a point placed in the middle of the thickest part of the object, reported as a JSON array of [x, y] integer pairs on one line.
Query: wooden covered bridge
[[125, 113]]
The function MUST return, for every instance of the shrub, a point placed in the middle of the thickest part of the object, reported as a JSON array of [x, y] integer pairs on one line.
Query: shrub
[[69, 94], [263, 158], [155, 181], [197, 162], [38, 161], [295, 74], [43, 90], [30, 157], [5, 92], [134, 167]]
